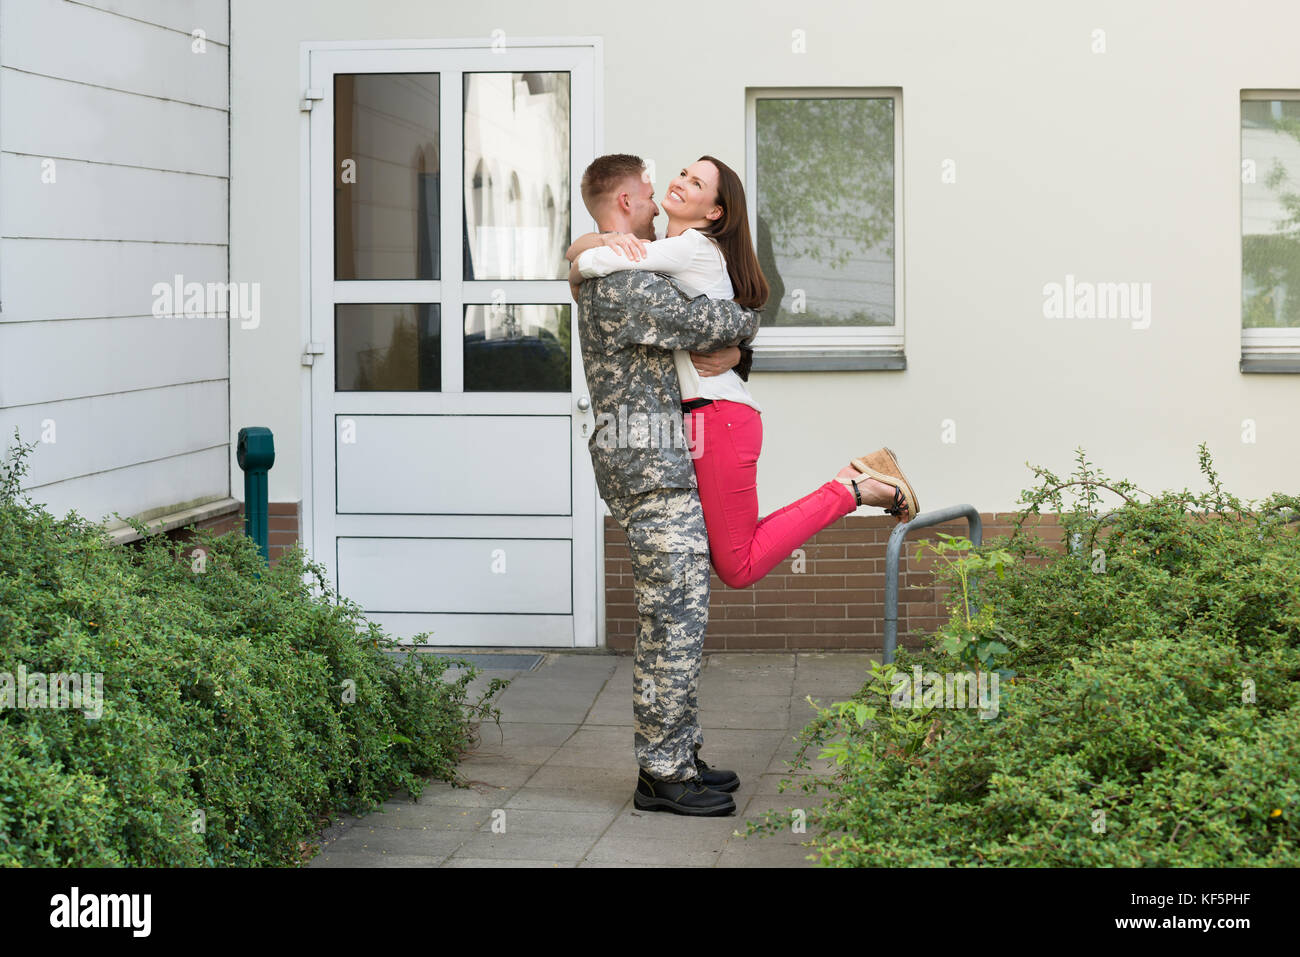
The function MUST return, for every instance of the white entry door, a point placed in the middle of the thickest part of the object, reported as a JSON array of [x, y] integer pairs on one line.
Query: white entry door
[[451, 488]]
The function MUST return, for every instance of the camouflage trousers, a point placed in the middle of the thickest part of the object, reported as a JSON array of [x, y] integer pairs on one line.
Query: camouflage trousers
[[670, 574]]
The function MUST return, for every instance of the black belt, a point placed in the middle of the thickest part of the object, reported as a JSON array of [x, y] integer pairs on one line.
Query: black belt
[[693, 404]]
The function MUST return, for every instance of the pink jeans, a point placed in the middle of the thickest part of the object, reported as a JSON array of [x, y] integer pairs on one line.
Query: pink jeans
[[726, 438]]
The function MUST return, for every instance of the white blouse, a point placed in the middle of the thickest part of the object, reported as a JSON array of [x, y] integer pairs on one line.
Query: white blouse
[[698, 266]]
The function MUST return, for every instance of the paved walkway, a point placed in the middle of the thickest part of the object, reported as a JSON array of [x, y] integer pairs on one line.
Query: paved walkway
[[560, 773]]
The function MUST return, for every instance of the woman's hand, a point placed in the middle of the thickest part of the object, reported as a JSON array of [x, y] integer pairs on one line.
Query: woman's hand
[[625, 244], [715, 363]]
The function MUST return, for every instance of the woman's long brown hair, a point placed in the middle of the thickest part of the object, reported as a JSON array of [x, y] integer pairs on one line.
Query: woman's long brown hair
[[731, 232]]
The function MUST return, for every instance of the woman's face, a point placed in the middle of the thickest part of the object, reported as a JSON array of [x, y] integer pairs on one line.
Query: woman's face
[[693, 193]]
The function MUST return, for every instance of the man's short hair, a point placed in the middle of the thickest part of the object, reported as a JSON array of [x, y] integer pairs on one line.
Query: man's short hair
[[605, 173]]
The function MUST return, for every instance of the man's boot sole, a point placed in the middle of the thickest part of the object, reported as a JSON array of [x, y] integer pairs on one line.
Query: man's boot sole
[[646, 803]]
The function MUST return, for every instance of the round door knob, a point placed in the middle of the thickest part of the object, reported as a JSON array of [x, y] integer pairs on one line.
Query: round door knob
[[584, 404]]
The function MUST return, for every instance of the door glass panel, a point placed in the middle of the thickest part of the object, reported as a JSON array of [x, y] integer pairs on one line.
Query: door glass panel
[[516, 175], [386, 172], [517, 348], [387, 347]]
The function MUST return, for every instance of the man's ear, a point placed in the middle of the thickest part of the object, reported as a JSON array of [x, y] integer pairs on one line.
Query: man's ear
[[624, 202]]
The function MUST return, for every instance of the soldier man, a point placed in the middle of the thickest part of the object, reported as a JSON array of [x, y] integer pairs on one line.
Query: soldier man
[[629, 324]]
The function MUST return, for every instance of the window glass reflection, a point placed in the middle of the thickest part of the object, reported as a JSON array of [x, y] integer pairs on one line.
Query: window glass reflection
[[517, 348], [516, 175]]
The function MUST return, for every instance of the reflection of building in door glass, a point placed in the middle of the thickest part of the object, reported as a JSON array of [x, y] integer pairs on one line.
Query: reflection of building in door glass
[[517, 348], [386, 176], [516, 175]]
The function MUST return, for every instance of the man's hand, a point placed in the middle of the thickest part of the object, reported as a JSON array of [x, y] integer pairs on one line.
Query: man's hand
[[575, 281], [715, 363]]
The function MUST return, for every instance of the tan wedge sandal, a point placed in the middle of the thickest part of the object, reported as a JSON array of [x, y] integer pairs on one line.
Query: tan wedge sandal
[[882, 465]]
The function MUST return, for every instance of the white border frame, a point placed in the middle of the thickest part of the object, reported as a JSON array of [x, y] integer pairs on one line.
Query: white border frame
[[1284, 343], [822, 340]]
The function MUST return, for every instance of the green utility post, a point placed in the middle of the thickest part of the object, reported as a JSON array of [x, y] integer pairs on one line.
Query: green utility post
[[256, 454]]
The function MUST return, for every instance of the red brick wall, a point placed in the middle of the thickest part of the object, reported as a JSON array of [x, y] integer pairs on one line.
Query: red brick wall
[[284, 527], [836, 602]]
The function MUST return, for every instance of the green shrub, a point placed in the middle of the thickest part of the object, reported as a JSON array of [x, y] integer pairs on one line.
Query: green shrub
[[241, 704], [1147, 707]]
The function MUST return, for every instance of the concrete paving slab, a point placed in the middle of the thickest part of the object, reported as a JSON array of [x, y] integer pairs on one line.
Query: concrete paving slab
[[525, 734], [539, 711], [438, 816], [410, 842], [483, 796], [370, 859], [526, 847], [562, 799], [652, 850], [581, 759], [559, 823], [503, 862], [514, 753], [662, 825], [495, 771], [562, 768], [751, 854], [583, 779], [771, 720], [628, 864]]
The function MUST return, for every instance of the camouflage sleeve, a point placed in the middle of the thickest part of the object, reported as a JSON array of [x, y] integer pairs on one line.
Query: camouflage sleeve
[[644, 308]]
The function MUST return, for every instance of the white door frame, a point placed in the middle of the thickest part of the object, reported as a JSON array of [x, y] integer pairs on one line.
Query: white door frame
[[582, 58]]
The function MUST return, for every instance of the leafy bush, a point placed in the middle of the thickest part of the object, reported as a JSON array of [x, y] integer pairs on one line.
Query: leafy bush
[[240, 704], [1147, 697]]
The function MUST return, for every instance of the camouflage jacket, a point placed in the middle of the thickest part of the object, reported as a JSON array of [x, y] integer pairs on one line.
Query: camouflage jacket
[[629, 322]]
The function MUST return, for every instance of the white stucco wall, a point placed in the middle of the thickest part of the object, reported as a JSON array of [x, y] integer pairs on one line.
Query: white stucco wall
[[1120, 166]]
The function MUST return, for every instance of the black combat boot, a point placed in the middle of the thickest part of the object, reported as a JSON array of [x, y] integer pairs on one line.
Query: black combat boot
[[681, 797], [716, 778]]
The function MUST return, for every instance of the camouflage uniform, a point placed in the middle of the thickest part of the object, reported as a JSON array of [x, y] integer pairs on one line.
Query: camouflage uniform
[[629, 322]]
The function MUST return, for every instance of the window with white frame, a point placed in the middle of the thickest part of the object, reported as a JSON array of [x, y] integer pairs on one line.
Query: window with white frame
[[1270, 230], [824, 193]]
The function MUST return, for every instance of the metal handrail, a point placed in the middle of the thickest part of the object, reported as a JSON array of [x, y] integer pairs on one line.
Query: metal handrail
[[924, 520], [975, 534]]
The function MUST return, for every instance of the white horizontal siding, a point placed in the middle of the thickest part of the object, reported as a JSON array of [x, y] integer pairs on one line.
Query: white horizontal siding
[[52, 361], [77, 42], [118, 431], [88, 201], [137, 124], [108, 126], [98, 279], [211, 16], [199, 476]]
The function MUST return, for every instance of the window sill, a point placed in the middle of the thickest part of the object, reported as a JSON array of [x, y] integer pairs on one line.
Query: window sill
[[121, 535], [777, 359], [1255, 362]]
